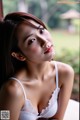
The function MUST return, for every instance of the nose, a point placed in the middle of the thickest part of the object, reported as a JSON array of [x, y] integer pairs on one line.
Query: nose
[[46, 45], [43, 41]]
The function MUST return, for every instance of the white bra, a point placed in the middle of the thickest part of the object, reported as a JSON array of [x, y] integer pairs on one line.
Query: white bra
[[28, 112]]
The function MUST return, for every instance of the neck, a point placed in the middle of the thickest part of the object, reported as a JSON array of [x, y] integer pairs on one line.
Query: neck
[[37, 70]]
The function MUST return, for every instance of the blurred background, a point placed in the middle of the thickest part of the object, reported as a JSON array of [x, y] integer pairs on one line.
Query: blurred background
[[62, 20]]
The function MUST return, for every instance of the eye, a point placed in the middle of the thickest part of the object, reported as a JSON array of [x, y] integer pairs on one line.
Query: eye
[[31, 41], [41, 30]]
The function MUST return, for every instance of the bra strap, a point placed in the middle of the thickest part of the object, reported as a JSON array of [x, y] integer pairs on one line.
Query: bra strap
[[20, 85], [57, 81]]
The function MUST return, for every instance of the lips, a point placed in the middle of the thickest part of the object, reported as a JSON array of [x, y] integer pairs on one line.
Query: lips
[[48, 50]]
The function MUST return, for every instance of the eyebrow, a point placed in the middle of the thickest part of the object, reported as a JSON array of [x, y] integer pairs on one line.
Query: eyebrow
[[39, 26], [26, 37], [26, 21]]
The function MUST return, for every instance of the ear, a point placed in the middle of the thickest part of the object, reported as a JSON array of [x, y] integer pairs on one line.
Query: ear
[[18, 56]]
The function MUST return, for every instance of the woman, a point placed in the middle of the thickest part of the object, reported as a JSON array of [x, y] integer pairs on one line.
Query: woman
[[33, 86]]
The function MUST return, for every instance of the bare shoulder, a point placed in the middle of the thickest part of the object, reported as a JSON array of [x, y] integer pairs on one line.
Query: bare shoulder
[[65, 68], [12, 99], [12, 88], [12, 92], [65, 72]]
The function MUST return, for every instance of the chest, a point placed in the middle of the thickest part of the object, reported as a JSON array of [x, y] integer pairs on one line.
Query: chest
[[40, 93]]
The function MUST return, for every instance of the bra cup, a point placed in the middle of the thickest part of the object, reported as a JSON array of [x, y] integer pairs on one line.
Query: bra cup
[[27, 116]]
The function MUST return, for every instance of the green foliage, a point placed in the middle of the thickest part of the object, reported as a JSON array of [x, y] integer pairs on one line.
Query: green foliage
[[70, 58], [53, 22], [34, 8], [9, 6]]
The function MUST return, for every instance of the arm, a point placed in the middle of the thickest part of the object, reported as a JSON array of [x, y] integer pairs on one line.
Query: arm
[[11, 98], [66, 77]]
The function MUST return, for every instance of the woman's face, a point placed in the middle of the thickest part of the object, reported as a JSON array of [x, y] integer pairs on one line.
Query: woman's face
[[35, 42]]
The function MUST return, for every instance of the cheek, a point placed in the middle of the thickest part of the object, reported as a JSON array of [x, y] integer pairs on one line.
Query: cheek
[[35, 49]]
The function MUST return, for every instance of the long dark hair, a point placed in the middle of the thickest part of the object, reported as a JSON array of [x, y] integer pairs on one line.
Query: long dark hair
[[9, 42]]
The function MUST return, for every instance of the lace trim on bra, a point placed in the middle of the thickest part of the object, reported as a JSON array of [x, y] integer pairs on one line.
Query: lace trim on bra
[[52, 100]]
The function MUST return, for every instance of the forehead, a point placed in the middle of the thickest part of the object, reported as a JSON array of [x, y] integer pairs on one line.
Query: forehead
[[34, 23], [28, 24], [26, 27]]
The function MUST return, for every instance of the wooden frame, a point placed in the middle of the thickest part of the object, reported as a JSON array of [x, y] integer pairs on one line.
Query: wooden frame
[[1, 10]]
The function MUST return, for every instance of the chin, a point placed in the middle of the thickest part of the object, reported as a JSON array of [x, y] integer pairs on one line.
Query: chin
[[50, 58]]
